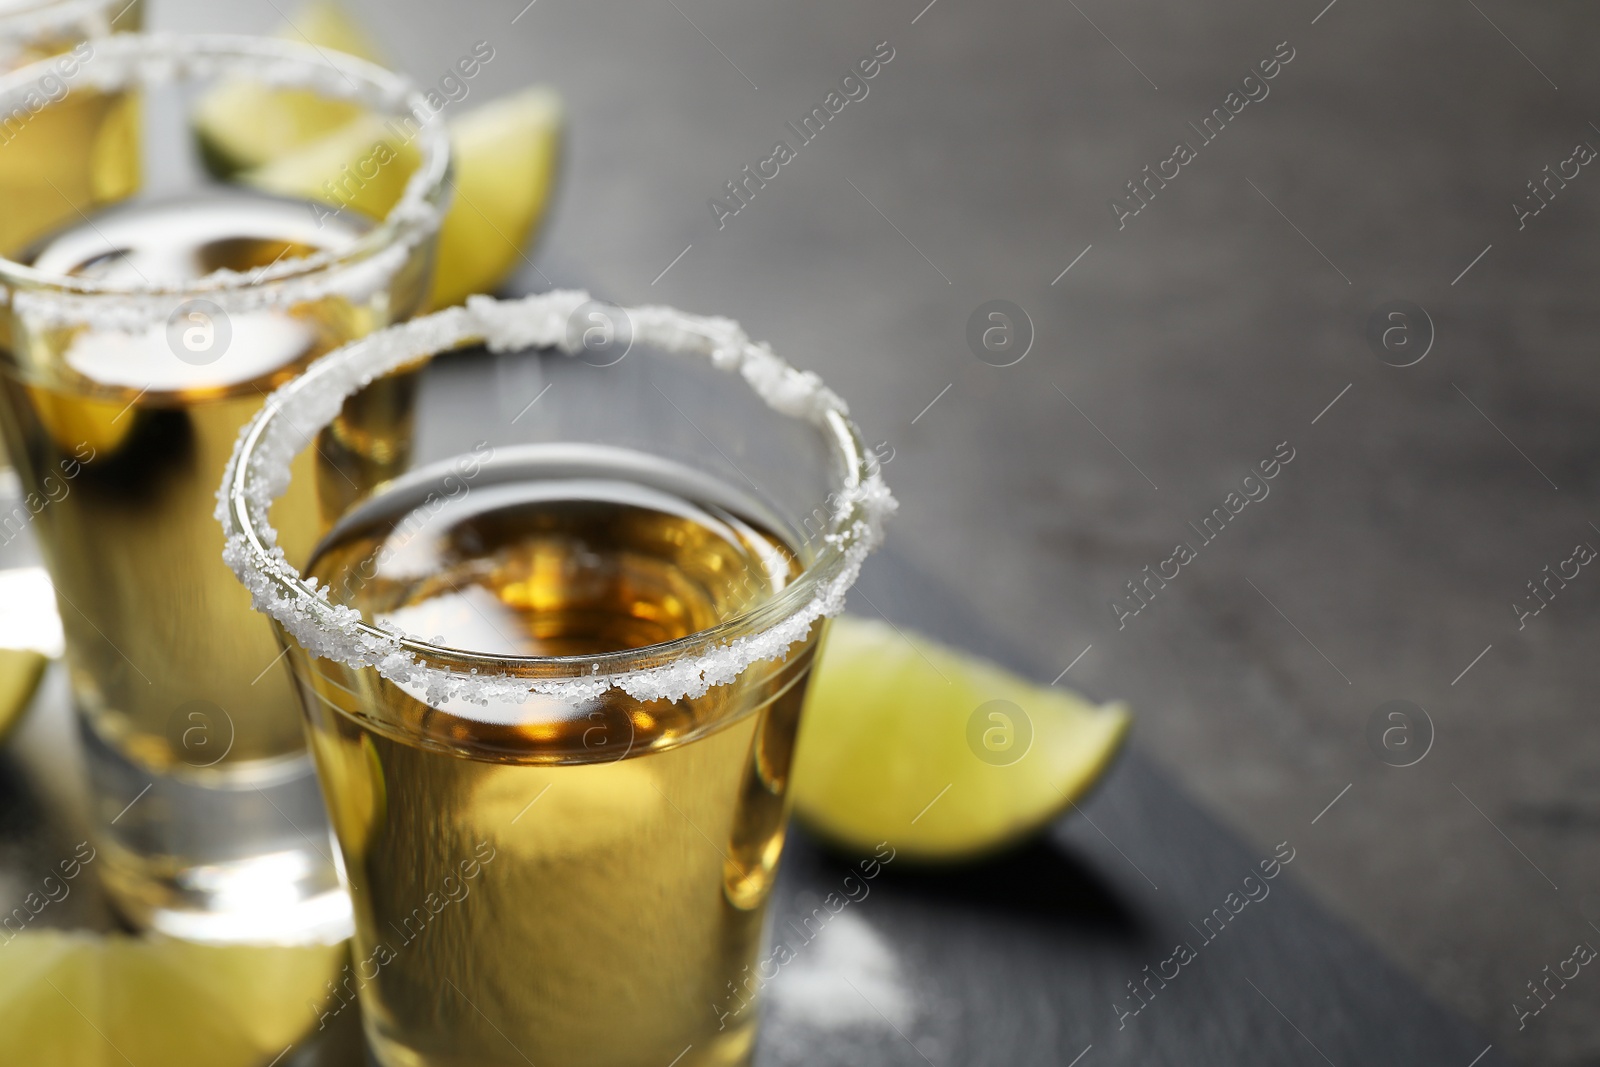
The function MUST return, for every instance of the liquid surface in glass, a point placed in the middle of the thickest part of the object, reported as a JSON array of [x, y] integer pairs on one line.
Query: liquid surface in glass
[[548, 883]]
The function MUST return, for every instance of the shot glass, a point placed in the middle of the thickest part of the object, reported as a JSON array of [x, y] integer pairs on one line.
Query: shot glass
[[553, 670], [146, 308]]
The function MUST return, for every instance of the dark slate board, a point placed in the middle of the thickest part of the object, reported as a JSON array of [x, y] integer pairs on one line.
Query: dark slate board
[[1018, 960]]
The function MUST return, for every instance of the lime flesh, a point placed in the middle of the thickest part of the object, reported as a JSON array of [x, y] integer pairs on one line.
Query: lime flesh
[[939, 754], [75, 999]]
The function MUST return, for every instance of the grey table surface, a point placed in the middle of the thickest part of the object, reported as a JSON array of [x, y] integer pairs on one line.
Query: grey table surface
[[1055, 952], [1171, 353]]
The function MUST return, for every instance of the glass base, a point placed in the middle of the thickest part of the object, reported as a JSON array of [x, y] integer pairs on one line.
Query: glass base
[[242, 857], [734, 1047]]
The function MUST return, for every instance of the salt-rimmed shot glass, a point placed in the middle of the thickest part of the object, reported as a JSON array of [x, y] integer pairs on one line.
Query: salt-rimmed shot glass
[[553, 670], [146, 309]]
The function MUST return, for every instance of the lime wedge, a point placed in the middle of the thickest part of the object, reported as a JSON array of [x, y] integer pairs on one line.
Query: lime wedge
[[361, 166], [76, 999], [938, 753], [297, 143], [505, 157], [20, 670], [243, 124], [30, 637], [327, 25], [504, 163]]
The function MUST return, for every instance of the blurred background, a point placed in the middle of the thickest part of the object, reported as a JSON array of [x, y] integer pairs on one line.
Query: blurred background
[[1249, 302]]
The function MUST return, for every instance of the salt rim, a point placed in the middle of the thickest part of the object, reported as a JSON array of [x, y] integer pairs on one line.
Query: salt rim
[[125, 60], [258, 474], [89, 19]]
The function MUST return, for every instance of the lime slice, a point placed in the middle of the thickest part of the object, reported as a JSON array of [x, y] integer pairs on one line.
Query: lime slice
[[361, 166], [81, 1000], [940, 754], [296, 143], [47, 980], [20, 670], [327, 25], [243, 124], [269, 995], [504, 163], [505, 155]]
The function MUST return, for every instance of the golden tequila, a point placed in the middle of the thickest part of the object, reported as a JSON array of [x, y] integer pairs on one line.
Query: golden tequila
[[546, 882]]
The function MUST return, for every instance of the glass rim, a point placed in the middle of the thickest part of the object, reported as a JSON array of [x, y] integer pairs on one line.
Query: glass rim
[[258, 473], [22, 21], [126, 59]]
